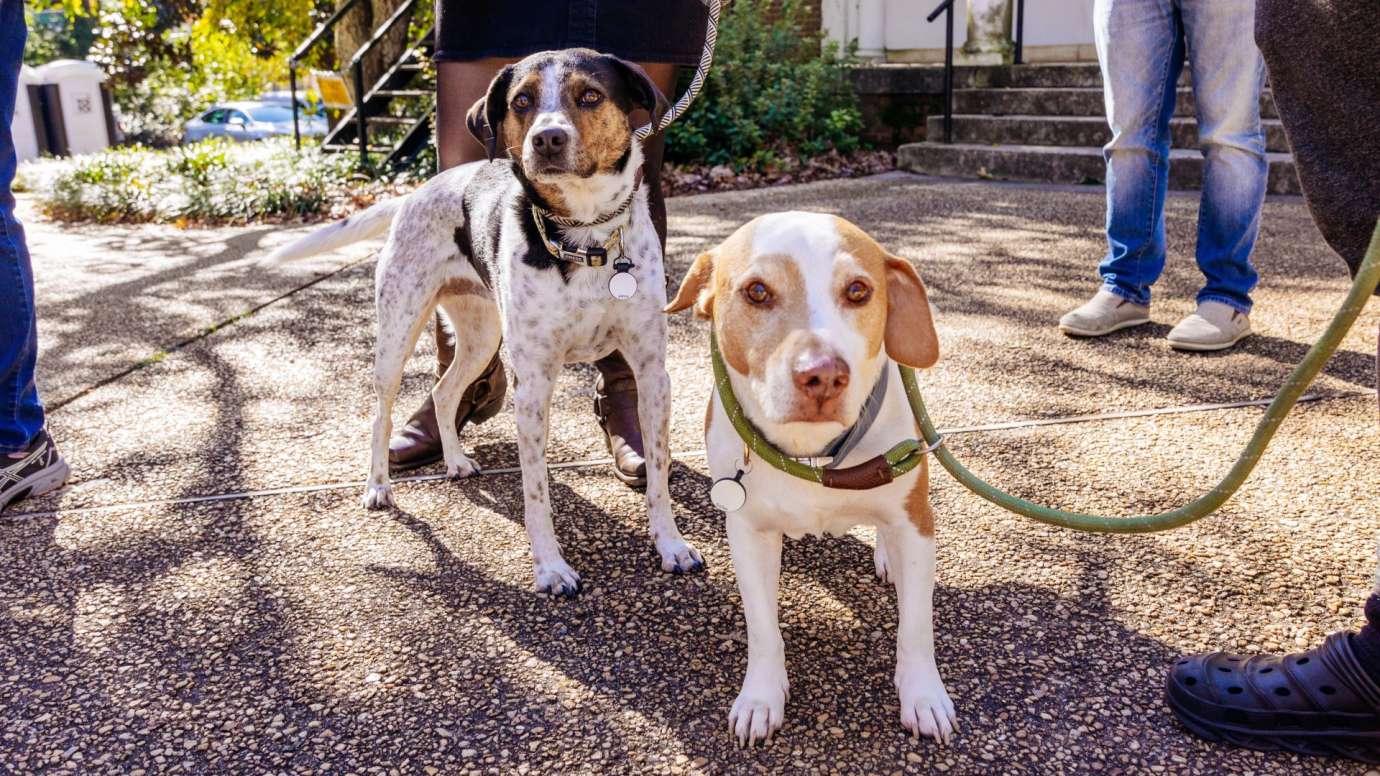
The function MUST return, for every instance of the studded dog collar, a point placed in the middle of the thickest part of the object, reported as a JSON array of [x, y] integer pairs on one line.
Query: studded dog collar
[[592, 256]]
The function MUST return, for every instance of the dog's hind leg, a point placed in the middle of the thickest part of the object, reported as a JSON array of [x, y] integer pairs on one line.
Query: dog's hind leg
[[403, 309], [474, 317]]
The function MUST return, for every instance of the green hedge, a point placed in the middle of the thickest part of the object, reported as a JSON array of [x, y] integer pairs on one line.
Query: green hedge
[[774, 90], [212, 181]]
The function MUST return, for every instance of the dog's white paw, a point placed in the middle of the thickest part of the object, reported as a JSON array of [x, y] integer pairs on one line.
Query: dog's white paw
[[925, 706], [463, 466], [879, 561], [759, 709], [378, 496], [557, 578], [678, 557]]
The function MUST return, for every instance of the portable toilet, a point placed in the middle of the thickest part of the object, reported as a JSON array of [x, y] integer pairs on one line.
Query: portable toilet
[[75, 106], [23, 129]]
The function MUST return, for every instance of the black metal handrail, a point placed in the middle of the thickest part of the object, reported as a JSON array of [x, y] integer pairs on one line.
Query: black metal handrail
[[357, 71], [317, 35], [1020, 32], [947, 8]]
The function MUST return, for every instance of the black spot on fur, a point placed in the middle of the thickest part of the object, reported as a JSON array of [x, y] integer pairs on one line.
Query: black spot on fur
[[537, 255], [465, 242]]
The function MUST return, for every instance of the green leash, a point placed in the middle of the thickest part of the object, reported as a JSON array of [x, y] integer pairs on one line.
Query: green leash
[[908, 454]]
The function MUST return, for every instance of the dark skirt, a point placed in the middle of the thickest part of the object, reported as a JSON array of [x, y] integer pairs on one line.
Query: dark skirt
[[670, 31]]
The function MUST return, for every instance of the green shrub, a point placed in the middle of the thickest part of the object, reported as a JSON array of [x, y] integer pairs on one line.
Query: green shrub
[[773, 91], [215, 181]]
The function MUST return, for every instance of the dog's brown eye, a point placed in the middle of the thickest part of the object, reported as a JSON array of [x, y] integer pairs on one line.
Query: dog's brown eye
[[757, 293], [858, 292], [590, 97], [522, 102]]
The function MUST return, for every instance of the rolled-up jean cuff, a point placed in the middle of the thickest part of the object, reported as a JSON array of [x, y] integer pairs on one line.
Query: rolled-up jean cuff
[[1229, 302], [1123, 293]]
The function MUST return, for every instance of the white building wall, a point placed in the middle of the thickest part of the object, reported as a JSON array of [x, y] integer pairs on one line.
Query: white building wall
[[1055, 30]]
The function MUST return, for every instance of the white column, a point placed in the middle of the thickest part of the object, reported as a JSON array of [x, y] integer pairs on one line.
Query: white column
[[871, 29], [989, 33]]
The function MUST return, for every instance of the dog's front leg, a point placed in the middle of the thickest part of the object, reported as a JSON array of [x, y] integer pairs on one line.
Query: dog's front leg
[[654, 413], [925, 705], [532, 408], [761, 705]]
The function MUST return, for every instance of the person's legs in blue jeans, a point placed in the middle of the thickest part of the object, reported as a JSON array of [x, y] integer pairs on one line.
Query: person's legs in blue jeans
[[1228, 75], [21, 414], [29, 461], [1140, 46]]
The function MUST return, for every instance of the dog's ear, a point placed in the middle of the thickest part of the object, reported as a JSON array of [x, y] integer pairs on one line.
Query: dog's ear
[[910, 334], [645, 93], [485, 118], [697, 288]]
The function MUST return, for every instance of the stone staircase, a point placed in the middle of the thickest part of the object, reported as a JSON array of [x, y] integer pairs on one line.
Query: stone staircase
[[1046, 123]]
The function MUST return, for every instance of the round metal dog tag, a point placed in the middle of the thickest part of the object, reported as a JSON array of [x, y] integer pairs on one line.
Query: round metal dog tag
[[623, 285], [728, 493]]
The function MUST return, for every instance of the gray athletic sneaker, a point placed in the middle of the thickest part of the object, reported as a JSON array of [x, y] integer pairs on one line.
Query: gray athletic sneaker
[[39, 471], [1103, 314]]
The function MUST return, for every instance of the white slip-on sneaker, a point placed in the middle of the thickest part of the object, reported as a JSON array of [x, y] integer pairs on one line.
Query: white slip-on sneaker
[[1103, 314], [1214, 326]]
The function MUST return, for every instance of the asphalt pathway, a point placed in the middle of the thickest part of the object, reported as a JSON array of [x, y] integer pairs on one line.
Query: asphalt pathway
[[208, 596]]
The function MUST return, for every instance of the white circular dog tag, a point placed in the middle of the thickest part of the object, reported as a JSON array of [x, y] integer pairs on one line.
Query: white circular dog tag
[[728, 493], [623, 285]]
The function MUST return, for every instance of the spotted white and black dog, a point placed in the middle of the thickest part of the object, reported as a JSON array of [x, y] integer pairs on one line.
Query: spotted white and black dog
[[471, 242]]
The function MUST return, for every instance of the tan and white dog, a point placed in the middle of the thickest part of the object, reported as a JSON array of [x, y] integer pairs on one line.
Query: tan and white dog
[[811, 315]]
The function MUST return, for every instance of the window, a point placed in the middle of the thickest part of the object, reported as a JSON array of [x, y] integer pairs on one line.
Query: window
[[271, 113], [215, 116]]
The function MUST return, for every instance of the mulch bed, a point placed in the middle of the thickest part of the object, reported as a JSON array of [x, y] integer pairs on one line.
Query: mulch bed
[[676, 179], [679, 179]]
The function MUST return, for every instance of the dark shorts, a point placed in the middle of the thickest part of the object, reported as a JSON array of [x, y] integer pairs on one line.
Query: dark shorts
[[670, 31]]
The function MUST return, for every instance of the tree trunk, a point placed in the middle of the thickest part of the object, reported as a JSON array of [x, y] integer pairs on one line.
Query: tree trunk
[[358, 26]]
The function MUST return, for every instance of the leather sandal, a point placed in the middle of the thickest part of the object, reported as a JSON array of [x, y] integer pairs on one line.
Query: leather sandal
[[615, 407], [1319, 702], [418, 442]]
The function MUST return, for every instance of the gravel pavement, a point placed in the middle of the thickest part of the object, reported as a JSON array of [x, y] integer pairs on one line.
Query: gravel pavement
[[153, 620]]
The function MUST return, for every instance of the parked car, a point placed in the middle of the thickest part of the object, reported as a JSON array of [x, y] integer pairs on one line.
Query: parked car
[[284, 97], [251, 120]]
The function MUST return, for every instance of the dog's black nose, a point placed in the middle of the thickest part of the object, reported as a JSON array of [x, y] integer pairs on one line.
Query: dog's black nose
[[550, 141]]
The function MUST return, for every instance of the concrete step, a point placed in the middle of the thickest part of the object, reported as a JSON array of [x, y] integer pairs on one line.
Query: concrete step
[[1021, 101], [1070, 131], [893, 79], [1058, 164]]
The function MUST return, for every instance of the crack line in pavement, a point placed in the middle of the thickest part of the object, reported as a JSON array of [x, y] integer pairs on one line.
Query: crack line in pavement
[[205, 332], [681, 456]]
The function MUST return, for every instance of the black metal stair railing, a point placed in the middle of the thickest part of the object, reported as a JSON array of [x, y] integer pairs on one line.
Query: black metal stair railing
[[372, 101], [302, 50], [362, 98], [1020, 32], [947, 8], [391, 85]]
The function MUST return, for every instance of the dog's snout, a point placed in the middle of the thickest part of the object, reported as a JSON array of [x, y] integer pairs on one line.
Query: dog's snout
[[821, 377], [550, 141]]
